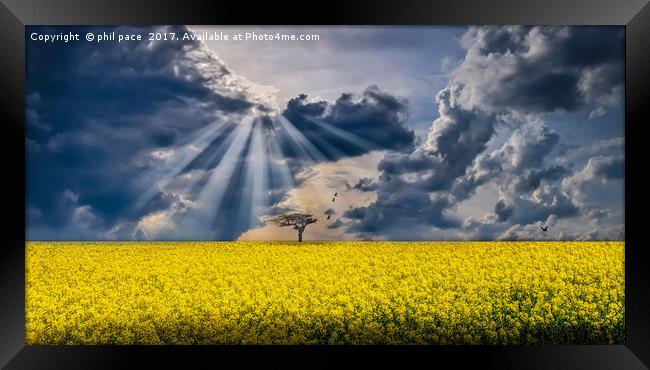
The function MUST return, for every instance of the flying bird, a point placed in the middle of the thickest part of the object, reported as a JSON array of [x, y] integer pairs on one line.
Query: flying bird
[[333, 199], [544, 228], [336, 195], [328, 216]]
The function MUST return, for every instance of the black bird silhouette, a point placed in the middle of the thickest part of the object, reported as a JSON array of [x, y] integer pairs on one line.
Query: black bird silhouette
[[336, 195], [333, 199], [544, 228], [328, 216]]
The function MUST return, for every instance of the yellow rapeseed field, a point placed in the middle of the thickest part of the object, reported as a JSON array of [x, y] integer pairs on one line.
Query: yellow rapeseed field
[[324, 292]]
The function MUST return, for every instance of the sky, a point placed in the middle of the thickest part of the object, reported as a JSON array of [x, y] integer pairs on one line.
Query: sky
[[423, 133]]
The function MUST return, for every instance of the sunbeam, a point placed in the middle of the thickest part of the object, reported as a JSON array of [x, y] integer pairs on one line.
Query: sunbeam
[[210, 197], [164, 174], [332, 151], [303, 144], [248, 158], [350, 137], [308, 153], [254, 191], [280, 174]]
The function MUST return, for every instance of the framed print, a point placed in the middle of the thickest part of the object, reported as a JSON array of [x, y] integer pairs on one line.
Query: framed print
[[389, 182]]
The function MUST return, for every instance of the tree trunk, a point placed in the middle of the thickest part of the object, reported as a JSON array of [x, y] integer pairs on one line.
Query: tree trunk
[[300, 234]]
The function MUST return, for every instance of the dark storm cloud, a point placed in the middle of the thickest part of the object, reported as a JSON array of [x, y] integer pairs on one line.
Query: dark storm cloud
[[530, 192], [105, 119], [609, 168], [502, 211], [403, 189], [500, 40], [597, 170], [351, 125], [527, 147], [534, 178], [539, 69], [73, 219], [163, 136], [96, 113], [540, 93], [100, 115], [545, 201], [588, 46], [366, 184], [509, 77], [397, 207], [455, 139]]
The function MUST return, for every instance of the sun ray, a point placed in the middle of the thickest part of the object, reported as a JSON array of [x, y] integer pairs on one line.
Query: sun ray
[[210, 197], [346, 135], [300, 139], [163, 175], [332, 151], [256, 183], [244, 148], [280, 174], [205, 162], [312, 155]]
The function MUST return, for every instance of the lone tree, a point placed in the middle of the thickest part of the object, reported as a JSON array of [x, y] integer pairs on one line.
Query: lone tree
[[298, 220]]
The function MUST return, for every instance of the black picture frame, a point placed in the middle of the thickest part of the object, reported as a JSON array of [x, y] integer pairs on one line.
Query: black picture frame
[[16, 14]]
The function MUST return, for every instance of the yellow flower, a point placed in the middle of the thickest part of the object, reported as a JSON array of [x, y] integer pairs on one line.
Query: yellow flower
[[324, 292]]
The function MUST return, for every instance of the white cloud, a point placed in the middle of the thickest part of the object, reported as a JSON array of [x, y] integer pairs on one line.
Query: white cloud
[[598, 112]]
